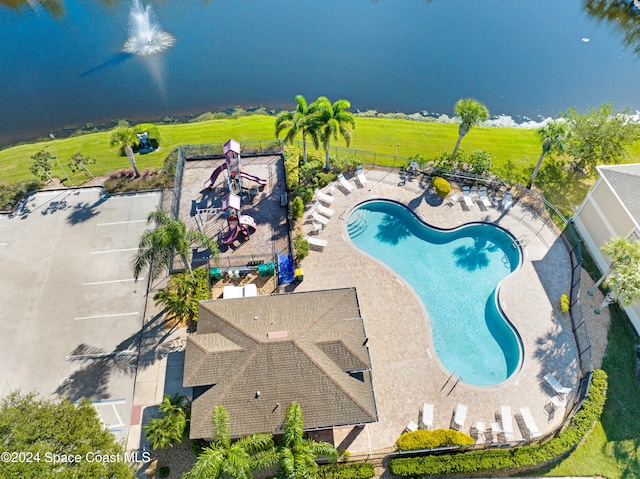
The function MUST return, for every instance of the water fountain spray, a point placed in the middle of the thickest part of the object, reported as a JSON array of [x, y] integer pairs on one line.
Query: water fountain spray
[[146, 37]]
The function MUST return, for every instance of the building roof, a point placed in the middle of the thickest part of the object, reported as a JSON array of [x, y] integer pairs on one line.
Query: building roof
[[624, 180], [307, 347]]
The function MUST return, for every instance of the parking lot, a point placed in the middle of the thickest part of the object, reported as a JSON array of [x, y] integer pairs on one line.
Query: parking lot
[[71, 312]]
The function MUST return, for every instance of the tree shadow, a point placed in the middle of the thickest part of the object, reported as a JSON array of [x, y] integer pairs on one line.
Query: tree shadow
[[557, 355], [391, 230], [562, 186], [474, 257], [84, 211], [554, 271], [54, 206]]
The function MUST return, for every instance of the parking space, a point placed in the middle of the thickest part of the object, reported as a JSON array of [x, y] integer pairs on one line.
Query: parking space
[[71, 313]]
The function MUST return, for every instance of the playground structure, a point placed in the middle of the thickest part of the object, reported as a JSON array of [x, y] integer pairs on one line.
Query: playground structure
[[239, 225]]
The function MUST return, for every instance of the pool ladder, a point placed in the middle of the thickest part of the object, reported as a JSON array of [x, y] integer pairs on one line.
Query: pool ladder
[[360, 224]]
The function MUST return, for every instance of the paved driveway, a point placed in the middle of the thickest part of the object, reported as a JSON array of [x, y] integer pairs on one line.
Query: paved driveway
[[71, 312]]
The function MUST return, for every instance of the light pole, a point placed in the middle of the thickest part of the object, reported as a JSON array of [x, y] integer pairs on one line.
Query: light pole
[[65, 173], [395, 155]]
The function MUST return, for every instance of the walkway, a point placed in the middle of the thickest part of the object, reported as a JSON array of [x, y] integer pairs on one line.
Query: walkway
[[406, 370]]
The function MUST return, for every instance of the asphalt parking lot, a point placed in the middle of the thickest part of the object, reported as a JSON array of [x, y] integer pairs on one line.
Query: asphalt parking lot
[[71, 313]]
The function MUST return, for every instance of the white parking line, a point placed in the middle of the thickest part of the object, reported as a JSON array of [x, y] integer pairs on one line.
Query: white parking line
[[3, 244], [128, 197], [122, 222], [105, 316], [111, 281], [111, 250]]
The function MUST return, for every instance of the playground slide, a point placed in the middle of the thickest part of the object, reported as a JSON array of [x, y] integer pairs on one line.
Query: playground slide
[[215, 174], [231, 236], [255, 179], [248, 221]]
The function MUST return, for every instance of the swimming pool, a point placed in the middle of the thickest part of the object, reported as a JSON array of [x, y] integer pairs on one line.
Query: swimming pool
[[456, 273]]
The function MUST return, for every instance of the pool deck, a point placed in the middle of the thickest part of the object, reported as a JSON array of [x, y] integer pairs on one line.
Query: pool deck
[[406, 369]]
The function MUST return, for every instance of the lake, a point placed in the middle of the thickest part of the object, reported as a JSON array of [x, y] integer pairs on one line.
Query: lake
[[63, 66]]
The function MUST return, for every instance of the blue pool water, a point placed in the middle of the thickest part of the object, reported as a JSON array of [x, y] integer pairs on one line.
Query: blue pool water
[[456, 273]]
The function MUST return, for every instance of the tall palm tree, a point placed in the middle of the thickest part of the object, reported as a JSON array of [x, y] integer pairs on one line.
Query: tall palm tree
[[226, 460], [471, 112], [158, 246], [331, 120], [624, 286], [179, 298], [297, 455], [298, 121], [125, 138], [623, 252], [554, 136]]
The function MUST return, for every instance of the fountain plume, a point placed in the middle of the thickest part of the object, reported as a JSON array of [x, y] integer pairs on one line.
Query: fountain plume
[[146, 37]]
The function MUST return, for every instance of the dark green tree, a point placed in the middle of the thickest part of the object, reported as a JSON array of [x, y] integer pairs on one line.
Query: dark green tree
[[78, 162], [158, 246], [224, 459], [299, 121], [471, 112], [599, 136], [332, 121], [41, 427], [41, 166], [168, 429], [297, 454], [554, 136]]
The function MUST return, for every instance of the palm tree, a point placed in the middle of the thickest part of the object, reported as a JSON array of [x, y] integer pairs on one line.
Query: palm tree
[[299, 120], [471, 112], [297, 455], [223, 459], [179, 298], [331, 120], [157, 247], [125, 138], [554, 136], [169, 429], [624, 286], [623, 252]]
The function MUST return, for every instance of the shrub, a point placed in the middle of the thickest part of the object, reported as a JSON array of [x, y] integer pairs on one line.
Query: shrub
[[421, 439], [442, 186], [480, 161], [345, 163], [325, 178], [301, 247], [309, 170], [164, 471], [202, 285], [526, 457], [305, 192], [292, 156], [154, 134], [363, 470], [297, 208], [565, 304], [12, 194]]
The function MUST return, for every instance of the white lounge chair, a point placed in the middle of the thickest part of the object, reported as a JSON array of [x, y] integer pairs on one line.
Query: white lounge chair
[[529, 422], [324, 197], [556, 386], [507, 201], [467, 197], [320, 243], [460, 416], [427, 416], [507, 421], [323, 210], [554, 403], [412, 426], [495, 428], [454, 198], [361, 178], [319, 218], [316, 226], [484, 198], [481, 428], [345, 184], [474, 192]]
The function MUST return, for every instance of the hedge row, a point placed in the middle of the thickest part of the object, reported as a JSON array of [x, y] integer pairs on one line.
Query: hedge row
[[422, 439], [526, 456], [361, 470]]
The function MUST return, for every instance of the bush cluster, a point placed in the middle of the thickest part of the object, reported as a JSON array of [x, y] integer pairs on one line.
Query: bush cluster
[[123, 180], [297, 208], [344, 163], [421, 439], [362, 470], [442, 186], [565, 303], [301, 247], [292, 155], [12, 194], [518, 458], [202, 285]]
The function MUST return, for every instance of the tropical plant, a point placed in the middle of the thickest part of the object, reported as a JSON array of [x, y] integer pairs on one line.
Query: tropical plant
[[224, 459], [554, 136], [471, 112], [78, 162], [299, 121], [332, 120], [622, 251], [41, 166], [301, 247], [297, 454], [624, 286], [126, 139], [158, 246], [168, 429], [182, 295]]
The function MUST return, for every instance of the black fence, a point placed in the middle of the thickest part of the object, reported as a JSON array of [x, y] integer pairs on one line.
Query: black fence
[[249, 148]]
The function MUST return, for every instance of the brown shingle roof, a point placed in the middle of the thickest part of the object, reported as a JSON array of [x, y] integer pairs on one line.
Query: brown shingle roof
[[310, 363]]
